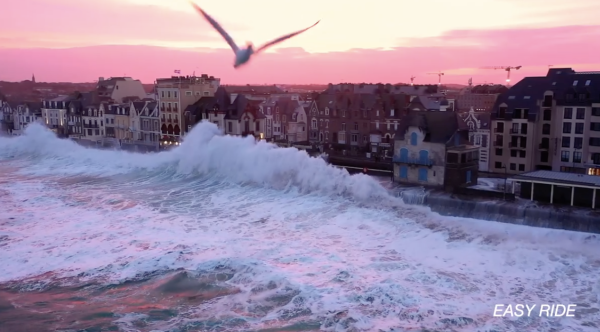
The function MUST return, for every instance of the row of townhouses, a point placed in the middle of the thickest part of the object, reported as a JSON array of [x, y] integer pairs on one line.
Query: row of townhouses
[[354, 118]]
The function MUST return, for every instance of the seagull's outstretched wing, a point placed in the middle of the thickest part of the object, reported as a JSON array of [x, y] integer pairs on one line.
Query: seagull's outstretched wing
[[280, 39], [217, 27]]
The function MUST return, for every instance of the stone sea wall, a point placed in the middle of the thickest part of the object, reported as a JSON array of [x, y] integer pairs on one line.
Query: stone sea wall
[[520, 212]]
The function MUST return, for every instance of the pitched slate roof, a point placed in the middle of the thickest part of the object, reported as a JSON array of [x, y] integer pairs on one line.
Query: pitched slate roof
[[439, 127], [561, 81]]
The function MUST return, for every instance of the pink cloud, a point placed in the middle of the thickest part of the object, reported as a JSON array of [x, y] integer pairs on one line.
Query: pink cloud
[[58, 22], [458, 52]]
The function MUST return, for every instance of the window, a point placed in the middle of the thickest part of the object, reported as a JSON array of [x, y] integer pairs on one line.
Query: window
[[587, 83], [547, 115], [424, 157], [578, 142], [521, 167], [513, 166], [188, 93], [469, 176], [499, 152], [169, 94], [313, 124], [595, 126], [546, 129], [403, 172], [596, 158], [343, 113], [564, 156], [356, 126], [326, 110], [413, 138], [579, 128], [229, 127], [568, 113], [566, 127], [566, 142], [513, 153], [498, 165], [354, 138], [544, 157], [404, 155], [577, 156], [484, 141], [343, 127], [522, 153], [595, 111], [423, 174], [580, 113], [175, 94]]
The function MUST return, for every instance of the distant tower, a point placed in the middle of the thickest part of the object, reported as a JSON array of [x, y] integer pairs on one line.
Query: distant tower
[[470, 81], [33, 78]]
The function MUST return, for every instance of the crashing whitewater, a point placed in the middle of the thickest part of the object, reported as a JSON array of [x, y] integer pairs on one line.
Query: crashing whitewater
[[226, 234]]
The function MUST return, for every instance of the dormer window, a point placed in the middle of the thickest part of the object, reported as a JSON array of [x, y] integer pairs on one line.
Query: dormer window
[[527, 97], [569, 96], [575, 83], [587, 83], [511, 97]]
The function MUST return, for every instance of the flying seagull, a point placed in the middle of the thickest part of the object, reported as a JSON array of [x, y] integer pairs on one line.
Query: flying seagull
[[243, 55]]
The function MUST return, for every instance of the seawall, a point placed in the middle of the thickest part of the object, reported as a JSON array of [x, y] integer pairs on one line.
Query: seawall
[[520, 211]]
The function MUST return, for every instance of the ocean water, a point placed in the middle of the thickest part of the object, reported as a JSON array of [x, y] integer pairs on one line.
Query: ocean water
[[225, 234]]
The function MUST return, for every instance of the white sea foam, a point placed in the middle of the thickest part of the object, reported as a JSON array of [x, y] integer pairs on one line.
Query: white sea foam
[[380, 267]]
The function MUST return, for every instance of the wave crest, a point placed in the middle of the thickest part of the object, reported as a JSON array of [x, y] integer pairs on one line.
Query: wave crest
[[205, 151]]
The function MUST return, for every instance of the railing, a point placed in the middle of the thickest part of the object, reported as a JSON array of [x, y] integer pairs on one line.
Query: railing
[[91, 126], [513, 145], [462, 165], [414, 161], [547, 103], [518, 131], [498, 130]]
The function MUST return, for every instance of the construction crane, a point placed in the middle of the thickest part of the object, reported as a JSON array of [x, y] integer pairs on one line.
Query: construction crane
[[507, 69], [412, 78], [440, 74]]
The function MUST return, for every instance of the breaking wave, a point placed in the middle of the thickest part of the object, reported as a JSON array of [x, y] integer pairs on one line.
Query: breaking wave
[[227, 234], [206, 152]]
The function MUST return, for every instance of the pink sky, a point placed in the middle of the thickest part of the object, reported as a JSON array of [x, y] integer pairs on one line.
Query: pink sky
[[384, 41]]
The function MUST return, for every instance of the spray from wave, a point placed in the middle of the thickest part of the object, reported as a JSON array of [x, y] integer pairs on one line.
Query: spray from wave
[[205, 152]]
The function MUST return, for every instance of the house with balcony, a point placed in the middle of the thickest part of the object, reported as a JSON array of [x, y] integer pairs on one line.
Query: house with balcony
[[430, 149], [210, 108], [244, 118], [54, 113], [92, 120], [24, 114], [478, 124]]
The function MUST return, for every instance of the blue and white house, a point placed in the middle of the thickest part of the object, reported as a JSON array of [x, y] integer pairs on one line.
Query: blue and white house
[[431, 150]]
